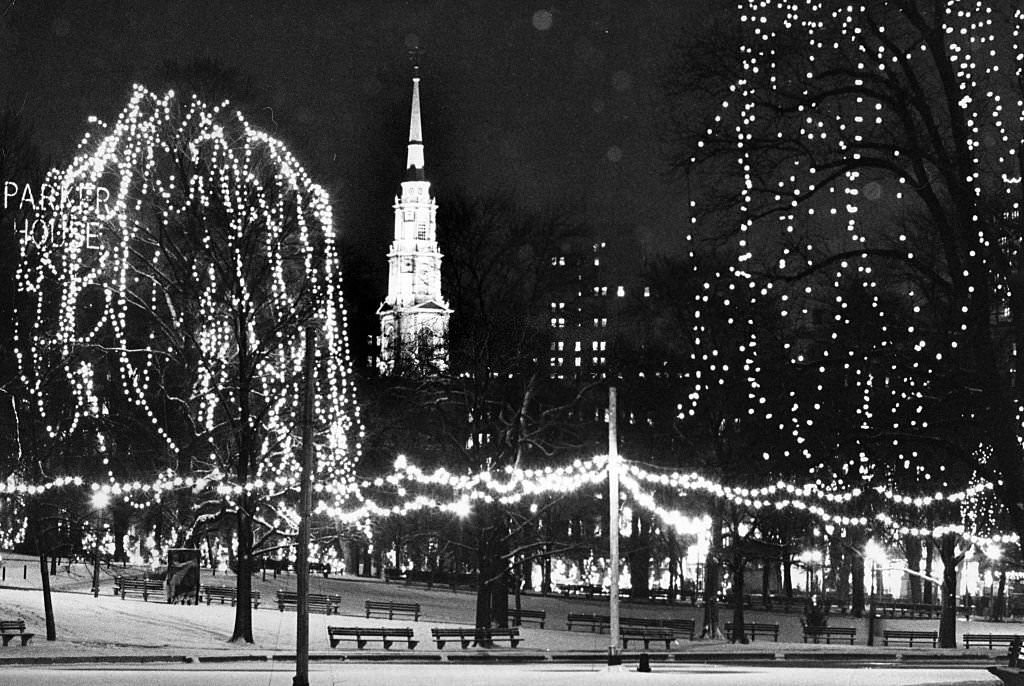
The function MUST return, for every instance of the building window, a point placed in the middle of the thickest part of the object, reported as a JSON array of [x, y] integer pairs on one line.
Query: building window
[[421, 232], [621, 291], [647, 291], [407, 265]]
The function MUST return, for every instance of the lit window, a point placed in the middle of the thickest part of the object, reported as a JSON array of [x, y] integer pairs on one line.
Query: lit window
[[597, 261], [578, 346], [621, 291], [579, 362], [604, 322], [647, 291], [561, 345], [603, 344], [593, 345]]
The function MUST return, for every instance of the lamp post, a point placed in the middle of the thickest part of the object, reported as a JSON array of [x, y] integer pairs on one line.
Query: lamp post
[[99, 501], [305, 505], [614, 658]]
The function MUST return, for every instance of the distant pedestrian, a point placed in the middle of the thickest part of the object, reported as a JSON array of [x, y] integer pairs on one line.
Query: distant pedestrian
[[967, 605]]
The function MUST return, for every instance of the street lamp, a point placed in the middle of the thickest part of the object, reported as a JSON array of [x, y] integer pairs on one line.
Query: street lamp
[[99, 501]]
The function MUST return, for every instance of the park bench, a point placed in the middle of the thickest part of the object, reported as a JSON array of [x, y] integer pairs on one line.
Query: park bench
[[519, 615], [228, 593], [386, 607], [475, 636], [596, 622], [990, 640], [752, 629], [845, 633], [910, 636], [11, 628], [125, 586], [362, 634], [317, 602], [647, 634]]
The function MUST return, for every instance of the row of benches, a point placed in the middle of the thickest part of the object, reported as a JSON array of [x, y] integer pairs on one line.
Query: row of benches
[[466, 636]]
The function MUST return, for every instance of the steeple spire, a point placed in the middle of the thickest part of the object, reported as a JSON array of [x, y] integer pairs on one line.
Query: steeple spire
[[414, 158]]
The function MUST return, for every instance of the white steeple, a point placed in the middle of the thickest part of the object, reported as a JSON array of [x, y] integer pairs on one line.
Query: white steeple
[[414, 315]]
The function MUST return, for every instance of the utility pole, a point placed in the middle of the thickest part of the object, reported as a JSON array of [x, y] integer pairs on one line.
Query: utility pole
[[305, 505], [614, 657]]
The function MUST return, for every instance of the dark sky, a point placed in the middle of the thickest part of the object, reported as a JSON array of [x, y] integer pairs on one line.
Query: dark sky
[[552, 104]]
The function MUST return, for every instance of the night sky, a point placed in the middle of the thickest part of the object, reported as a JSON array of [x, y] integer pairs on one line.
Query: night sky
[[554, 105]]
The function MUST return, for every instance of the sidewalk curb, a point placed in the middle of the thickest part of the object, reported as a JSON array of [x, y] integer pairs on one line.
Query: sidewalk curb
[[862, 660]]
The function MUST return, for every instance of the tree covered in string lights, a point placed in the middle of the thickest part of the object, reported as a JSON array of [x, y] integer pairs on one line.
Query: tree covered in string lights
[[168, 320], [875, 146]]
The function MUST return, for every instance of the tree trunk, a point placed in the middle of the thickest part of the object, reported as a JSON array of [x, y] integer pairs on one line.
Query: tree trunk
[[713, 579], [857, 594], [999, 604], [787, 574], [243, 561], [51, 625], [766, 583], [929, 556], [640, 557], [736, 567], [947, 622], [913, 548], [545, 566]]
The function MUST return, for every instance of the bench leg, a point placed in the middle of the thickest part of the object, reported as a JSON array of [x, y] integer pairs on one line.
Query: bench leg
[[335, 642], [7, 639], [412, 644], [387, 643], [360, 643], [440, 643], [25, 638]]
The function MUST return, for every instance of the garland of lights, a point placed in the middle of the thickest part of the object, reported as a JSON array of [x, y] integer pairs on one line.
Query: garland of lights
[[516, 485]]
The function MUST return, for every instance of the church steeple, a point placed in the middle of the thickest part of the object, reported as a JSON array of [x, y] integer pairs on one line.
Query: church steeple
[[414, 315], [414, 164]]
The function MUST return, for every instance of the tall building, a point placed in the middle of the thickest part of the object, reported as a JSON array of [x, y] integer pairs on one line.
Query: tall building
[[414, 315]]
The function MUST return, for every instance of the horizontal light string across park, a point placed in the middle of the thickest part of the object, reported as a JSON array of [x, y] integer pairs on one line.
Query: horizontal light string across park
[[510, 486]]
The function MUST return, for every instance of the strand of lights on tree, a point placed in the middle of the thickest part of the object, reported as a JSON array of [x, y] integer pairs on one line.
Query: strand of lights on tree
[[212, 235], [833, 105]]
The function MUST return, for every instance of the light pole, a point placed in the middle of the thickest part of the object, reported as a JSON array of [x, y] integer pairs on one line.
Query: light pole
[[614, 658], [99, 501], [305, 505]]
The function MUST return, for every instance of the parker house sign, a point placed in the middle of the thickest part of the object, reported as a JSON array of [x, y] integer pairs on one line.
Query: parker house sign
[[50, 216]]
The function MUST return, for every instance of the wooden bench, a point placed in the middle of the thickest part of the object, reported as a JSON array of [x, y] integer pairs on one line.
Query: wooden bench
[[533, 615], [14, 628], [125, 586], [845, 633], [475, 636], [316, 602], [990, 640], [223, 593], [596, 622], [752, 629], [386, 607], [909, 637], [362, 634], [647, 634]]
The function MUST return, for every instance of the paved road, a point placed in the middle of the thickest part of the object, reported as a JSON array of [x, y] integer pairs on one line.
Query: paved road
[[247, 674]]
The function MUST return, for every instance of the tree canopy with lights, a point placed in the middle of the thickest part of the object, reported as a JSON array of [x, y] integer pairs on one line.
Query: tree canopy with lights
[[166, 323]]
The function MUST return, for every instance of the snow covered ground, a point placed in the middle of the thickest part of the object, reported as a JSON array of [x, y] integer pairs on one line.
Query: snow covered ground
[[109, 626]]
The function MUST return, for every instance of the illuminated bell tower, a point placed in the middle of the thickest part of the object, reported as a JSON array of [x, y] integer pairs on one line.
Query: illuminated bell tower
[[414, 315]]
